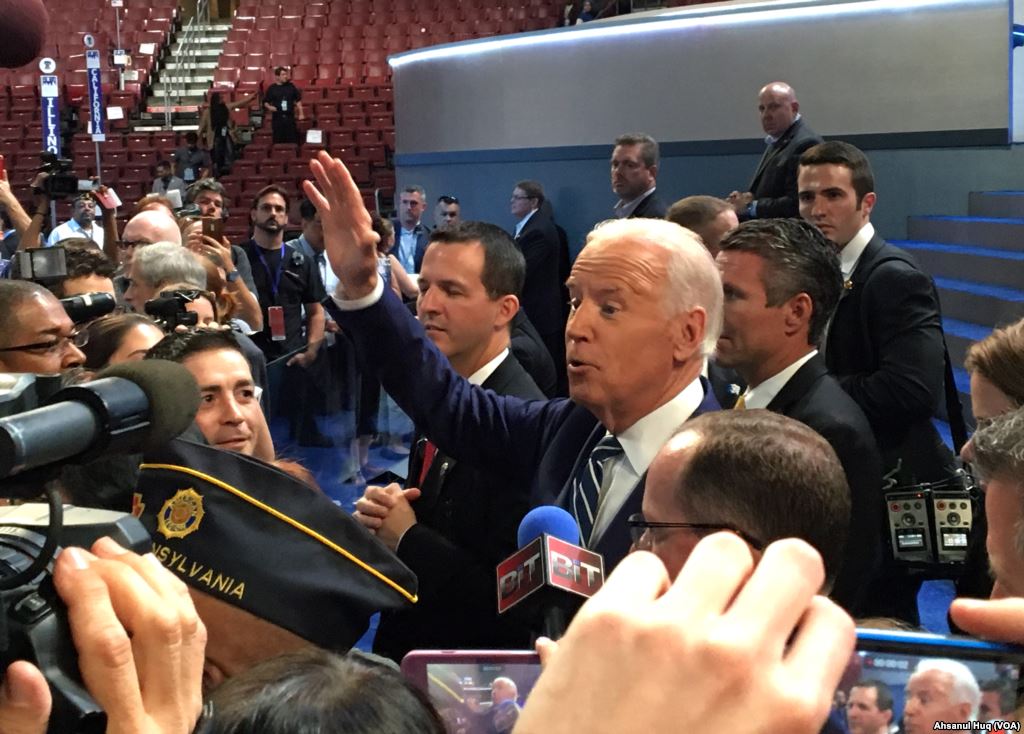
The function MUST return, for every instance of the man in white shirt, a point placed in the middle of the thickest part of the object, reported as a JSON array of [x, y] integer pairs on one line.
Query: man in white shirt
[[782, 283], [81, 224], [646, 308]]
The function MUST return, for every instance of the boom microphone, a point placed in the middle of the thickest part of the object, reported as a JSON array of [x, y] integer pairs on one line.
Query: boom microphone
[[131, 408], [88, 306], [550, 576]]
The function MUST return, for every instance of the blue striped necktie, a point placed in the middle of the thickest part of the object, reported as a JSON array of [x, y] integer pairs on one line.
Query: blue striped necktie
[[586, 487]]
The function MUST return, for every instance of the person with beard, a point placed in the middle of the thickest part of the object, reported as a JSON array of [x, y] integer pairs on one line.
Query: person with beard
[[288, 280], [166, 182], [81, 224]]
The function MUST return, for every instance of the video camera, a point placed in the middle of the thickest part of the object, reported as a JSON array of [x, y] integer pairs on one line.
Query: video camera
[[61, 183], [170, 309]]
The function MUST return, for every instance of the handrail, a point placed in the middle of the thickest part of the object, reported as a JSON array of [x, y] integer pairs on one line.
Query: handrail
[[186, 57]]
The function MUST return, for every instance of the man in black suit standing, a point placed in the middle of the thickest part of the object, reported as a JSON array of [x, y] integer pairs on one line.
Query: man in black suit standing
[[455, 522], [537, 238], [885, 344], [782, 282], [772, 192], [635, 177]]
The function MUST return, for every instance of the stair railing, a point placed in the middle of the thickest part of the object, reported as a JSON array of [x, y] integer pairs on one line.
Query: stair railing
[[186, 58]]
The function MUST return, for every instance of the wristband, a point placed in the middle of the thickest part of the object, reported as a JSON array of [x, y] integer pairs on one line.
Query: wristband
[[232, 276]]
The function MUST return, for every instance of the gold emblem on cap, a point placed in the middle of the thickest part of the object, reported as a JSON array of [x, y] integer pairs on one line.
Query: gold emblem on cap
[[181, 514]]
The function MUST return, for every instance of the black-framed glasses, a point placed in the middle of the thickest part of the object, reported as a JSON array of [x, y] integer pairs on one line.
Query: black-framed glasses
[[448, 199], [517, 196], [639, 531], [78, 337], [131, 244]]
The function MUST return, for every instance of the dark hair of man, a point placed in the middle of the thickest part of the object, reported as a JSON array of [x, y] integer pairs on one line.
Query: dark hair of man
[[504, 265], [771, 477], [191, 137], [1006, 697], [649, 152], [179, 347], [999, 358], [271, 189], [838, 153], [205, 184], [313, 690], [883, 694], [307, 210], [13, 295], [798, 259], [106, 334], [163, 164], [279, 69], [695, 212], [999, 449], [532, 189], [82, 260]]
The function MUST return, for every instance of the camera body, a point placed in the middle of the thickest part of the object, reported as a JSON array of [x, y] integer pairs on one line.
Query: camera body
[[170, 310], [34, 623], [61, 182], [930, 524]]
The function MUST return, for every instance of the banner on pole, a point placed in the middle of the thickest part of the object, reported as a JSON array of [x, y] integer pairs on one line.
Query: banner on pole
[[49, 93], [92, 65]]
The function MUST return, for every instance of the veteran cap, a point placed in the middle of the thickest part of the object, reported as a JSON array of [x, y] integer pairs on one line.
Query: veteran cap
[[247, 533]]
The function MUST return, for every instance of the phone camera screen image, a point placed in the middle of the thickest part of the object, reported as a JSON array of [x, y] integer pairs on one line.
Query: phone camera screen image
[[921, 683], [480, 698]]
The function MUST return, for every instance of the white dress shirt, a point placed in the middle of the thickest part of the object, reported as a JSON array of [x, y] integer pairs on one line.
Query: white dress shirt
[[71, 229], [761, 395], [851, 252], [522, 222], [624, 208]]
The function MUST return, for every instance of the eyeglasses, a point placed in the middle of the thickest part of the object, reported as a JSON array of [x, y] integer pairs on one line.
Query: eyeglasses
[[639, 531], [78, 337], [449, 199], [517, 196]]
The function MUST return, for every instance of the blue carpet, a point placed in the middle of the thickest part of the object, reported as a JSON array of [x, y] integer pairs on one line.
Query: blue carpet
[[965, 329], [952, 218], [980, 289], [933, 602], [959, 249]]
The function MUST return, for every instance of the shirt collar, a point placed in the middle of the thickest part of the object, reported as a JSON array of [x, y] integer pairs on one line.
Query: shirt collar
[[642, 440], [522, 222], [480, 376], [410, 231], [624, 208], [851, 252], [761, 395]]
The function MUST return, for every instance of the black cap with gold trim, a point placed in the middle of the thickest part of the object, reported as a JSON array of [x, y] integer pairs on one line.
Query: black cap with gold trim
[[253, 536]]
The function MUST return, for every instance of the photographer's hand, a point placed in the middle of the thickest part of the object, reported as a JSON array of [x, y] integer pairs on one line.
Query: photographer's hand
[[24, 700], [140, 642]]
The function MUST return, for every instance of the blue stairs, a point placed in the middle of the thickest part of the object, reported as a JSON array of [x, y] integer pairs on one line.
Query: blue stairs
[[978, 265]]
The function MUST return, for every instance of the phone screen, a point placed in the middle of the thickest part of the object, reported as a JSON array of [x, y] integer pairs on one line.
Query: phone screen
[[914, 669], [475, 692], [213, 228]]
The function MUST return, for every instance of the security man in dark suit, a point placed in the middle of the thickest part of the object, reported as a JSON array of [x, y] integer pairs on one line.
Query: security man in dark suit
[[885, 344], [772, 191], [411, 234], [782, 283], [635, 161], [636, 341], [455, 522]]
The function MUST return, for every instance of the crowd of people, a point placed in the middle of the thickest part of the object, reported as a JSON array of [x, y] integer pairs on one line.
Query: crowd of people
[[714, 390]]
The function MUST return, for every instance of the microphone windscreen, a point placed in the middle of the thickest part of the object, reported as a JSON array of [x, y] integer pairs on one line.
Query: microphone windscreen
[[25, 24], [172, 393], [551, 520]]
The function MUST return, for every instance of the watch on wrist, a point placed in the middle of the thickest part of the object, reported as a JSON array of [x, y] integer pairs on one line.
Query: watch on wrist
[[232, 276]]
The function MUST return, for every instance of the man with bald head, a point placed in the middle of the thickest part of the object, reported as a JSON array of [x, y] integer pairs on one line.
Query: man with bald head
[[145, 228], [772, 192], [646, 307]]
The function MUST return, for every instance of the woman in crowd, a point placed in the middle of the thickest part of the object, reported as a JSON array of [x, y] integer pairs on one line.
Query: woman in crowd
[[118, 338]]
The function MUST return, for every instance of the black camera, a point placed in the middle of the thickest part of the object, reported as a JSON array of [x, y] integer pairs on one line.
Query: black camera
[[33, 619], [61, 183], [170, 310]]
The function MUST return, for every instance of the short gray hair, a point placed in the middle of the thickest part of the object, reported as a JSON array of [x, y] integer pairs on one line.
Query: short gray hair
[[693, 278], [165, 262], [649, 152], [999, 453], [965, 687], [415, 189]]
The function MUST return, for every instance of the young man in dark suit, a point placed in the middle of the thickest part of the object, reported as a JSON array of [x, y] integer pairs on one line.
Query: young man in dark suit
[[455, 522], [782, 283], [772, 191], [885, 343], [646, 308]]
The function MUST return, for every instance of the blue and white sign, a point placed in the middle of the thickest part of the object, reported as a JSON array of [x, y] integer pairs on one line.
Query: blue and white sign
[[49, 93], [92, 65]]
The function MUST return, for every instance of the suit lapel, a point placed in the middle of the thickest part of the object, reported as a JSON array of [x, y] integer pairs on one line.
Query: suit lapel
[[772, 151], [798, 385]]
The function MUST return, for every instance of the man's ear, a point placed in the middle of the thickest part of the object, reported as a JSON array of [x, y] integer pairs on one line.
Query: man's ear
[[687, 331], [508, 307]]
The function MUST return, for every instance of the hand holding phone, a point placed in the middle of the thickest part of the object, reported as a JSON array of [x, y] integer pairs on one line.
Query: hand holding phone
[[107, 198]]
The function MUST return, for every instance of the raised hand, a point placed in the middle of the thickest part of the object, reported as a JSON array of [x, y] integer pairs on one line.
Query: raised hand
[[349, 240]]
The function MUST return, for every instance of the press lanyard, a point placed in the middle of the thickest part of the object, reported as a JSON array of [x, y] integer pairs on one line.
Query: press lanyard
[[275, 279]]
